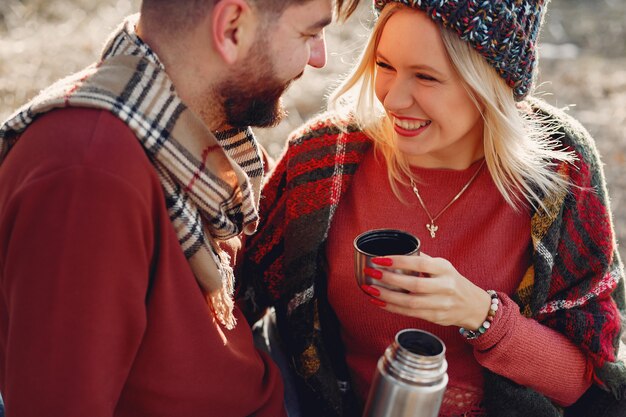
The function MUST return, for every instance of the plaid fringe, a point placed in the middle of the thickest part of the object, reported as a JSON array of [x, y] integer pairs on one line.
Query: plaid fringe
[[211, 182]]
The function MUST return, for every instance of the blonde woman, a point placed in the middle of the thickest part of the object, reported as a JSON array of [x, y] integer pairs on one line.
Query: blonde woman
[[435, 133]]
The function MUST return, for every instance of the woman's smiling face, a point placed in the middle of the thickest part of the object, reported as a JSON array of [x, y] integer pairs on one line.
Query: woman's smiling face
[[436, 122]]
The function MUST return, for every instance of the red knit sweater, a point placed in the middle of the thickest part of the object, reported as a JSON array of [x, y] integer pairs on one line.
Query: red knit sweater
[[100, 314], [489, 243]]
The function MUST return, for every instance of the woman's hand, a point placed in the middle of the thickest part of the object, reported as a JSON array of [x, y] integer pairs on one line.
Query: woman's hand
[[441, 295]]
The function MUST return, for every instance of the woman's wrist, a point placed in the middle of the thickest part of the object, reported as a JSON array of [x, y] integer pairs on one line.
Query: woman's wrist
[[480, 307], [473, 331]]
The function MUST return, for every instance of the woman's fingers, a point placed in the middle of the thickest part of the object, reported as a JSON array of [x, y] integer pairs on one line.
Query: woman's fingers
[[416, 274], [443, 296], [412, 301], [421, 263], [426, 307], [444, 300], [410, 283]]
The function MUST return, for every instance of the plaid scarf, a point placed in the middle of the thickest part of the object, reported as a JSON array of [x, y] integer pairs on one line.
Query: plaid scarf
[[211, 182], [575, 285]]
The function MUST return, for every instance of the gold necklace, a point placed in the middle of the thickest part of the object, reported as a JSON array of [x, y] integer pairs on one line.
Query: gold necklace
[[431, 227]]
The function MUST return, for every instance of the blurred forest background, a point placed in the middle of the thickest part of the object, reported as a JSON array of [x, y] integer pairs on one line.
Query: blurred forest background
[[582, 66]]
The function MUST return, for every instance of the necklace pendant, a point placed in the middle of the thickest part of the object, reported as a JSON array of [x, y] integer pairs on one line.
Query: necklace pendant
[[432, 229]]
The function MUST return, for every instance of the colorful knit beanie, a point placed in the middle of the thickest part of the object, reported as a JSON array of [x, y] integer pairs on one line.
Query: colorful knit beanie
[[503, 31]]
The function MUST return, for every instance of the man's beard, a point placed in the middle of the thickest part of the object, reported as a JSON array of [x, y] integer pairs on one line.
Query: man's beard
[[252, 95]]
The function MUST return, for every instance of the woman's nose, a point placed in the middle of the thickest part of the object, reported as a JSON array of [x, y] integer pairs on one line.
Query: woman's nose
[[398, 96]]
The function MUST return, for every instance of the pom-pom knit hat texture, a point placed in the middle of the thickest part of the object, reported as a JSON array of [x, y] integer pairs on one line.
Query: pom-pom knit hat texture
[[503, 31]]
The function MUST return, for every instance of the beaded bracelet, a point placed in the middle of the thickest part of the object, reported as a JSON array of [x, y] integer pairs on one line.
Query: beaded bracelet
[[473, 334]]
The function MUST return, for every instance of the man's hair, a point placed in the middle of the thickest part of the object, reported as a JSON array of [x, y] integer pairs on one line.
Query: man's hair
[[176, 16], [180, 14], [343, 8]]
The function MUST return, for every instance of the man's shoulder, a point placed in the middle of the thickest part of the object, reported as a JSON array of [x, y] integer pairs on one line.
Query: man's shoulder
[[72, 146], [92, 138]]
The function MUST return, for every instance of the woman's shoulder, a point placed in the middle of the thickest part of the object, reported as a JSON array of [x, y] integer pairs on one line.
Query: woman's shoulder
[[329, 126]]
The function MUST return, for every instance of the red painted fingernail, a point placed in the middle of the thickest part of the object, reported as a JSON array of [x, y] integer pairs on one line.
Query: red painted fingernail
[[374, 273], [370, 290], [377, 302], [382, 261]]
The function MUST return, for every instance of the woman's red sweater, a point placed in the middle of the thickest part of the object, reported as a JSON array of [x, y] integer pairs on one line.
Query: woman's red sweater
[[489, 243]]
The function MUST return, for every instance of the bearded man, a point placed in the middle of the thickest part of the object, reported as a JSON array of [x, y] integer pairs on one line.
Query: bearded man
[[123, 190]]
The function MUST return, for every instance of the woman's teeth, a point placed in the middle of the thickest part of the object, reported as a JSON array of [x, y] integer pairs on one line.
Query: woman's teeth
[[411, 124]]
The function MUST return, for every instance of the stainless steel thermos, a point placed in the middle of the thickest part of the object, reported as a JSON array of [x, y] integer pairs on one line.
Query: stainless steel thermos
[[410, 378]]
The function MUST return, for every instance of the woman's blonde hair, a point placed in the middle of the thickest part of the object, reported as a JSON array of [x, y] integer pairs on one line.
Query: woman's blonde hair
[[519, 150]]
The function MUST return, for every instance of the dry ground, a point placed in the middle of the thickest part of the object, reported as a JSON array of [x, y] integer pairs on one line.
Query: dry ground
[[582, 66]]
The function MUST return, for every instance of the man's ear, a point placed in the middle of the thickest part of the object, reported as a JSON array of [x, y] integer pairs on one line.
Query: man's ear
[[233, 28]]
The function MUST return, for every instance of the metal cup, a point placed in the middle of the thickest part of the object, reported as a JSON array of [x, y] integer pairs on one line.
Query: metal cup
[[381, 242]]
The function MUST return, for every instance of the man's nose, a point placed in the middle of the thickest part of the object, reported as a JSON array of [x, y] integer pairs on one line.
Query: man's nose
[[317, 59]]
